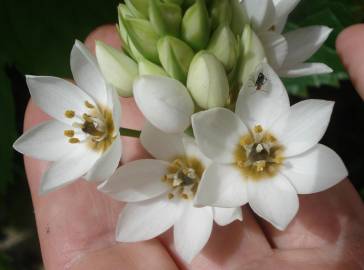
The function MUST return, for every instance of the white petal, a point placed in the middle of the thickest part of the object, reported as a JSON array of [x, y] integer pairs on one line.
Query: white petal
[[274, 200], [46, 141], [165, 102], [225, 216], [304, 69], [217, 132], [264, 106], [161, 145], [261, 13], [284, 7], [86, 73], [276, 48], [113, 102], [280, 24], [55, 96], [315, 170], [193, 151], [146, 220], [304, 126], [222, 186], [137, 181], [107, 163], [68, 169], [192, 231], [304, 42]]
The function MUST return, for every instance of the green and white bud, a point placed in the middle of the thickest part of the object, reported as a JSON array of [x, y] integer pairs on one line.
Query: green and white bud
[[139, 8], [221, 13], [238, 17], [196, 26], [177, 2], [141, 33], [252, 54], [207, 81], [165, 17], [175, 56], [148, 68], [118, 69], [224, 46]]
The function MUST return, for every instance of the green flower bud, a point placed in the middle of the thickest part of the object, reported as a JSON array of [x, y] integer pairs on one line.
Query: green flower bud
[[175, 56], [141, 33], [166, 18], [252, 54], [148, 68], [224, 46], [221, 13], [122, 12], [139, 8], [196, 25], [207, 81], [238, 17], [177, 2], [117, 68]]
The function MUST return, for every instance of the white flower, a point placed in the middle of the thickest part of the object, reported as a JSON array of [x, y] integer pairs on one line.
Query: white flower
[[83, 139], [160, 194], [267, 151], [165, 102], [286, 52]]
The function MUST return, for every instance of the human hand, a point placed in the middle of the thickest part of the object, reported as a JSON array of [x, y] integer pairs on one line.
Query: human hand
[[76, 224]]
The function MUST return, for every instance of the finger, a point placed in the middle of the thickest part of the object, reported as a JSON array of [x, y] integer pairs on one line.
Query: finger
[[326, 218], [350, 48]]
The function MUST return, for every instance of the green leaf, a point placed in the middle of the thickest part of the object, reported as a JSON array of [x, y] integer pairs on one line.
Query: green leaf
[[337, 14]]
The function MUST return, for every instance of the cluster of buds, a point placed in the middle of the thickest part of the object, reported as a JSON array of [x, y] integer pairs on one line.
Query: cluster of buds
[[207, 45]]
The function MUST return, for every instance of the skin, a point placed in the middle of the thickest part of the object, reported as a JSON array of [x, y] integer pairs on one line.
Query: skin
[[76, 224]]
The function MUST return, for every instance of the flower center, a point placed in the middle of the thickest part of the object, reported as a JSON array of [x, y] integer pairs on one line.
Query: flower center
[[259, 155], [183, 175], [95, 127]]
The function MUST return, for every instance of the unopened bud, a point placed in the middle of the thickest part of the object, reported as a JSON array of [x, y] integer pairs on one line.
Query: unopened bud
[[148, 68], [224, 46], [207, 81], [175, 56], [117, 68], [196, 25], [139, 8], [221, 13], [238, 17], [252, 54], [165, 17]]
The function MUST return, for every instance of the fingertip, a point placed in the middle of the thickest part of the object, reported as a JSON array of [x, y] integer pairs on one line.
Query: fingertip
[[106, 33], [350, 49]]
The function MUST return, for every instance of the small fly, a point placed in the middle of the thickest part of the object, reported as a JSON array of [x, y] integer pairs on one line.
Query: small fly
[[261, 80]]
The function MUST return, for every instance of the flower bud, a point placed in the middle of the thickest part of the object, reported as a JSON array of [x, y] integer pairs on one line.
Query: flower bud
[[165, 17], [207, 81], [224, 46], [175, 56], [221, 13], [141, 33], [252, 54], [238, 17], [139, 8], [117, 68], [148, 68], [177, 2], [196, 25]]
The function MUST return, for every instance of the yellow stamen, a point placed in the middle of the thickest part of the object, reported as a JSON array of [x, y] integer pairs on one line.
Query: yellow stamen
[[69, 114], [69, 133], [258, 129], [73, 140], [89, 105]]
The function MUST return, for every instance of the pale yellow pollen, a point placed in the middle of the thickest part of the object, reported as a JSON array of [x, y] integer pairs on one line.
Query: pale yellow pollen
[[69, 113], [73, 140], [69, 133], [258, 129]]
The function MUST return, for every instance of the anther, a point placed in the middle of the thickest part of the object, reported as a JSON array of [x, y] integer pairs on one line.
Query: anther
[[89, 105], [69, 114], [170, 196], [258, 129], [73, 140], [69, 133]]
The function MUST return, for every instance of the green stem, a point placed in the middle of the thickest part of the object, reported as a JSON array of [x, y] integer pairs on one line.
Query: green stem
[[129, 132]]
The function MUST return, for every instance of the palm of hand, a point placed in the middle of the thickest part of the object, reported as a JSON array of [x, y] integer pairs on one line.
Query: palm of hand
[[76, 224]]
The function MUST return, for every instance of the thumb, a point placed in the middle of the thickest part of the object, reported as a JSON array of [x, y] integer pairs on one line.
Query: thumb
[[349, 45]]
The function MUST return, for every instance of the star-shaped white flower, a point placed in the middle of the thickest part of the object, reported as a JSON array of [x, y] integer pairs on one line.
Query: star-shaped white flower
[[266, 152], [160, 194], [288, 52], [83, 139]]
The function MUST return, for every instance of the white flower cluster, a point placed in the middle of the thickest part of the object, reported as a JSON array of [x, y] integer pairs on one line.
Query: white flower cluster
[[257, 150]]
